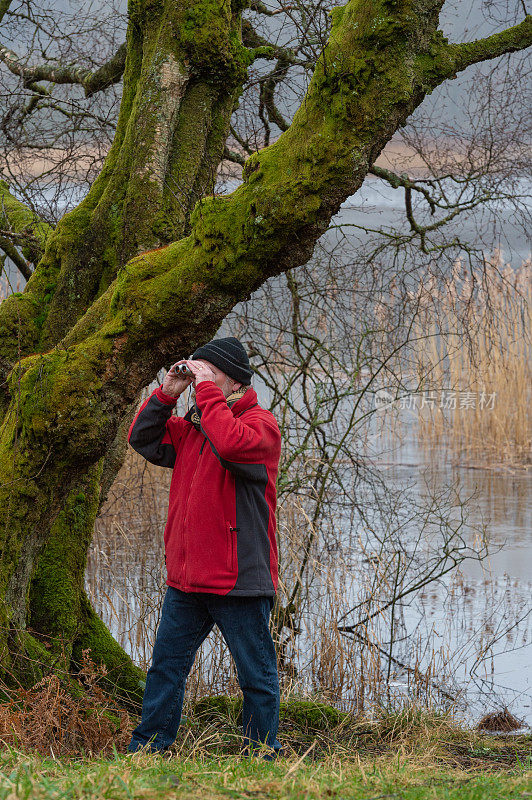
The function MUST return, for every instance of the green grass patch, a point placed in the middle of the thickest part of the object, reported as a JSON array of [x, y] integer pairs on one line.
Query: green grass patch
[[411, 755], [144, 776]]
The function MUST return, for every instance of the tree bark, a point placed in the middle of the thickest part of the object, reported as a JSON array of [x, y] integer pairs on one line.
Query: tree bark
[[147, 267]]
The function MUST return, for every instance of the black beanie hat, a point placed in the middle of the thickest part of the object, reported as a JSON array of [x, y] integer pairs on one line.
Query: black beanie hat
[[228, 355]]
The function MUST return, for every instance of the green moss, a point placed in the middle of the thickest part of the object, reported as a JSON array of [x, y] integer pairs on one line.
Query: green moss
[[50, 405], [435, 64], [124, 681], [18, 218], [19, 331], [310, 715], [307, 715], [209, 34], [28, 661], [58, 577], [209, 709], [198, 145], [113, 718], [81, 246], [58, 609]]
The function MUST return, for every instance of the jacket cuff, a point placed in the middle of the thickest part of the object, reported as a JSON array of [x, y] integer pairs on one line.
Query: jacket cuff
[[167, 399], [207, 389]]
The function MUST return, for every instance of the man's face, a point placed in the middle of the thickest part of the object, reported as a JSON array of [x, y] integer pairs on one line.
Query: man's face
[[226, 384]]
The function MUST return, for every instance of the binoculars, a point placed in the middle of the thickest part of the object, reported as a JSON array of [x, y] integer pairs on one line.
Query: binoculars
[[183, 370]]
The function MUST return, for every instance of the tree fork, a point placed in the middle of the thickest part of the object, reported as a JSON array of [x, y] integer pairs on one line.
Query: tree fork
[[146, 190]]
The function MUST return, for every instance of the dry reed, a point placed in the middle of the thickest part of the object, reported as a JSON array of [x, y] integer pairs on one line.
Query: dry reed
[[474, 362]]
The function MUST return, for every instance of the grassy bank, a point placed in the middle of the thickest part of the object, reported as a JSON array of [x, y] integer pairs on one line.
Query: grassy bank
[[409, 755], [397, 777]]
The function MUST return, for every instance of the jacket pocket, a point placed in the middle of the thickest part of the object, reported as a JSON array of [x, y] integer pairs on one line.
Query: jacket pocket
[[231, 547]]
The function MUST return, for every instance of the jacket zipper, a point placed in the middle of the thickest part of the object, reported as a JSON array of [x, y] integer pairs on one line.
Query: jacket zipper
[[232, 542]]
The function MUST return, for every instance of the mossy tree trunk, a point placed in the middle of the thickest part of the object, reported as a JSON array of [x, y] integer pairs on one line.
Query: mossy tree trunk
[[179, 93], [104, 310]]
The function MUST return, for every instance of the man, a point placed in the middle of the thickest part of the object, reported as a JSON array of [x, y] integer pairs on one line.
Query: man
[[220, 545]]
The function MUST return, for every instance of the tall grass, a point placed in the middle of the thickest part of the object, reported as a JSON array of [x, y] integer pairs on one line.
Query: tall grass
[[474, 362]]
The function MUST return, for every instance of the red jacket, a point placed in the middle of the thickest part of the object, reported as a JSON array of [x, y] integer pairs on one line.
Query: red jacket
[[220, 532]]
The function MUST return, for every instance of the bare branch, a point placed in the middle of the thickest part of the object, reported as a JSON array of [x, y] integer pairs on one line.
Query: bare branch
[[244, 143], [518, 37], [396, 181], [267, 96], [109, 73]]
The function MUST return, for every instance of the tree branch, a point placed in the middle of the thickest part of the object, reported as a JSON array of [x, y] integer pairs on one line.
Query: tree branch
[[262, 48], [261, 8], [512, 39], [236, 158], [21, 225], [244, 143], [403, 180], [109, 73], [4, 6], [18, 260], [267, 96]]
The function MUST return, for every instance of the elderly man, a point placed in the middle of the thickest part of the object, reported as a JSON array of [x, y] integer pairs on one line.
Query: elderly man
[[220, 545]]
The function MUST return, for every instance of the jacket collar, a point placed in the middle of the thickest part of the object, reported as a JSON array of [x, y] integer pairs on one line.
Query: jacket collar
[[248, 399]]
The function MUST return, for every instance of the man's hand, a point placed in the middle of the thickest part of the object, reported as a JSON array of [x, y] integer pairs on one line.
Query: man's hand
[[201, 372], [174, 384]]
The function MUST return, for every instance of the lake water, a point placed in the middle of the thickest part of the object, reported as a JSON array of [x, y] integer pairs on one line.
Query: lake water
[[493, 599]]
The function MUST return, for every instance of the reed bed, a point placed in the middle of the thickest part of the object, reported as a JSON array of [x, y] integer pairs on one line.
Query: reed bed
[[473, 354]]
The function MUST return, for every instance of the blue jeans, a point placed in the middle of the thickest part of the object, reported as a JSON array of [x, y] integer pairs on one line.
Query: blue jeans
[[186, 621]]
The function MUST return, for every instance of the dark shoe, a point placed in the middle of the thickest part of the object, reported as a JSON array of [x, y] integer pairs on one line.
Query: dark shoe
[[282, 753], [147, 749], [272, 755]]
